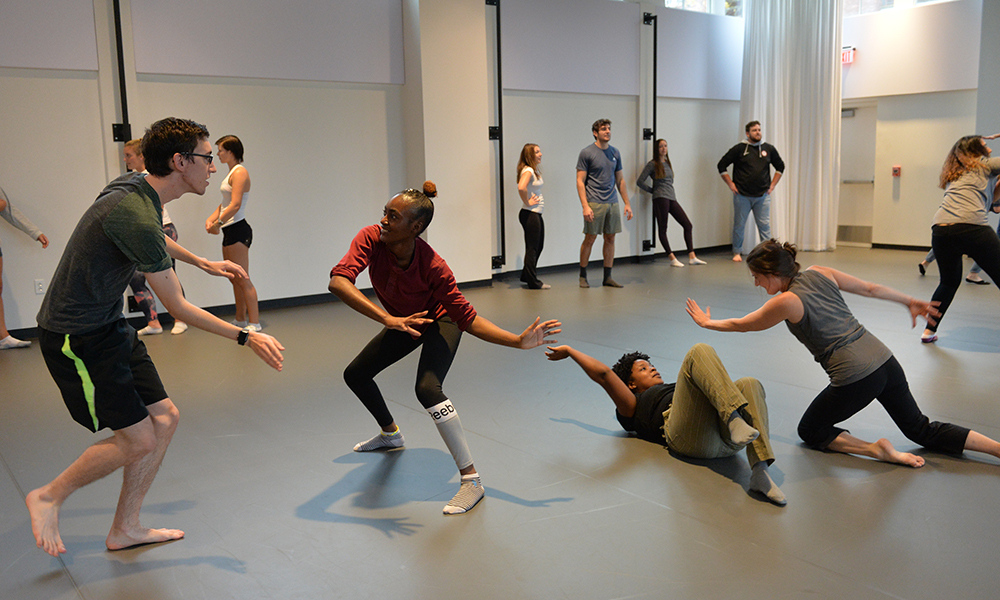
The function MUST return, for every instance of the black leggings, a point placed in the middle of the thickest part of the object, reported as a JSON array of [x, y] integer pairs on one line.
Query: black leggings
[[440, 343], [888, 385], [950, 242], [663, 207], [534, 239]]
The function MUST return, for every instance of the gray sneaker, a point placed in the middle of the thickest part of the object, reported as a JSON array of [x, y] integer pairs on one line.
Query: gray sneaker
[[381, 441], [468, 496]]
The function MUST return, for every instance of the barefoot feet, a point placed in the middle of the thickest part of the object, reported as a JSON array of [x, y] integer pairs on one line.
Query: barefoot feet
[[119, 540], [45, 522], [884, 451]]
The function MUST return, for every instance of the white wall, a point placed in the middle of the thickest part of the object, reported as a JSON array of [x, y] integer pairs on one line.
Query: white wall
[[913, 50], [916, 133], [857, 166], [560, 124], [323, 160], [51, 149]]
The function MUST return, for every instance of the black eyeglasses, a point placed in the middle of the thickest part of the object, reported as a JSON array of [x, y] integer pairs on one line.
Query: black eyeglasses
[[208, 157]]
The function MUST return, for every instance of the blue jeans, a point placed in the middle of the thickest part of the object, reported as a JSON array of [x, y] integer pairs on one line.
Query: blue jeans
[[761, 207]]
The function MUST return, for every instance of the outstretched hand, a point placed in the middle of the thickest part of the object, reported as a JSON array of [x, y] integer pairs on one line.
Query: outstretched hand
[[557, 352], [224, 268], [701, 317], [267, 348], [44, 241], [927, 310], [409, 323], [536, 333]]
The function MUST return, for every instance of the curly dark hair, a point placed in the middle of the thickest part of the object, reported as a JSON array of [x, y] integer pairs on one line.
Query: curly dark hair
[[168, 137], [623, 368]]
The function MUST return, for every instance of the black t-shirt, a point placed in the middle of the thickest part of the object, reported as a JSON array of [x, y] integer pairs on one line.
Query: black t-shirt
[[647, 422]]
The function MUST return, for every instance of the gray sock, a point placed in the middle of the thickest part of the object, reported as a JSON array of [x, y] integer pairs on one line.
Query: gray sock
[[740, 431], [760, 481]]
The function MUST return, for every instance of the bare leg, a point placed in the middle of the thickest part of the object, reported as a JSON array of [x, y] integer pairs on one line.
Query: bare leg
[[978, 442], [243, 289], [138, 476], [3, 323], [609, 250], [880, 450], [586, 247], [99, 460]]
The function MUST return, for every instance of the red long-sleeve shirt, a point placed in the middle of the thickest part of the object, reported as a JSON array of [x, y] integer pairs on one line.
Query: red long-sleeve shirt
[[427, 284]]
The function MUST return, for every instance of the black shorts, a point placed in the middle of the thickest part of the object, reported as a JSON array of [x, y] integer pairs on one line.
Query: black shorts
[[106, 377], [238, 232]]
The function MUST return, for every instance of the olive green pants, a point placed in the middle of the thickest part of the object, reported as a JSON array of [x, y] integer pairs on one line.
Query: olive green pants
[[695, 425]]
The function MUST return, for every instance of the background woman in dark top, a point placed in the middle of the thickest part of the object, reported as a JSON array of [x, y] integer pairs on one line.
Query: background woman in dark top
[[704, 415], [665, 202]]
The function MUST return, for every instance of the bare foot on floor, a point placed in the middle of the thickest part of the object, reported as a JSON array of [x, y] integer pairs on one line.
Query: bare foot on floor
[[737, 258], [45, 523], [120, 540], [885, 452]]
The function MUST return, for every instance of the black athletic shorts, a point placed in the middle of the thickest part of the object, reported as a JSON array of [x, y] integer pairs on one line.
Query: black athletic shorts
[[240, 232], [106, 377]]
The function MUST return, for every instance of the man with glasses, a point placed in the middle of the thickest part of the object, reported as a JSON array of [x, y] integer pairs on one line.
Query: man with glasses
[[106, 378]]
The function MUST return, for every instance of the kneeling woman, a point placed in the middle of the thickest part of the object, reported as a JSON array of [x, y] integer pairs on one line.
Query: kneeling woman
[[704, 415], [422, 308], [861, 368]]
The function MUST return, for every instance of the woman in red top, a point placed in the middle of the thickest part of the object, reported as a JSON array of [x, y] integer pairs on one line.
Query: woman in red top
[[422, 307]]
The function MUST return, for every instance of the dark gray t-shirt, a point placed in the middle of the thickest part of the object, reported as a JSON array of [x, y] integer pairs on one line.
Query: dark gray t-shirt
[[120, 233], [601, 167], [847, 351], [662, 187]]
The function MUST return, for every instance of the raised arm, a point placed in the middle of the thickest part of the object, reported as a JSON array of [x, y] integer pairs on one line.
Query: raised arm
[[602, 374], [532, 337], [783, 306], [850, 283]]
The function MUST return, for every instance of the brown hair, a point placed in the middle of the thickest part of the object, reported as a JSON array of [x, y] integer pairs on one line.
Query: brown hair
[[964, 156], [527, 159], [658, 171], [233, 144], [774, 258]]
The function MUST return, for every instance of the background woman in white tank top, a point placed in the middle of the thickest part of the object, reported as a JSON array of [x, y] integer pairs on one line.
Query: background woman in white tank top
[[229, 219]]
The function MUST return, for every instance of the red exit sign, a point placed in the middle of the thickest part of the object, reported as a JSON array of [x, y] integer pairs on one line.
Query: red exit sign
[[847, 55]]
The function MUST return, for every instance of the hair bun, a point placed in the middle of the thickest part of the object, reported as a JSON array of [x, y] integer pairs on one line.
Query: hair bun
[[430, 190], [790, 248]]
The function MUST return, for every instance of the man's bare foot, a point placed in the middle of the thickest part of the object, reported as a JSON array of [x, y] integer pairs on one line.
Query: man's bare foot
[[45, 522], [120, 540], [737, 258], [884, 451]]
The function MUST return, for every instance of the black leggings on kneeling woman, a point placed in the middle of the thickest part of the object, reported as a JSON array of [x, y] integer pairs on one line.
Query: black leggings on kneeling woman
[[888, 385]]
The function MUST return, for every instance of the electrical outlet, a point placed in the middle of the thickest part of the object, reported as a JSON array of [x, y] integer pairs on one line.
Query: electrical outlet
[[39, 286]]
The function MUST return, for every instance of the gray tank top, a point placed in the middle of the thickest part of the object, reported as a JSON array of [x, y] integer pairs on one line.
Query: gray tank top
[[845, 349]]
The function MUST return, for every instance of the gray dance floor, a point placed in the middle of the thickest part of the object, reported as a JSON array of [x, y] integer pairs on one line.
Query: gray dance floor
[[275, 504]]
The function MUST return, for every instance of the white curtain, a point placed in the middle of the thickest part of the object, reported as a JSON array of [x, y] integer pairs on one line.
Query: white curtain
[[791, 84]]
